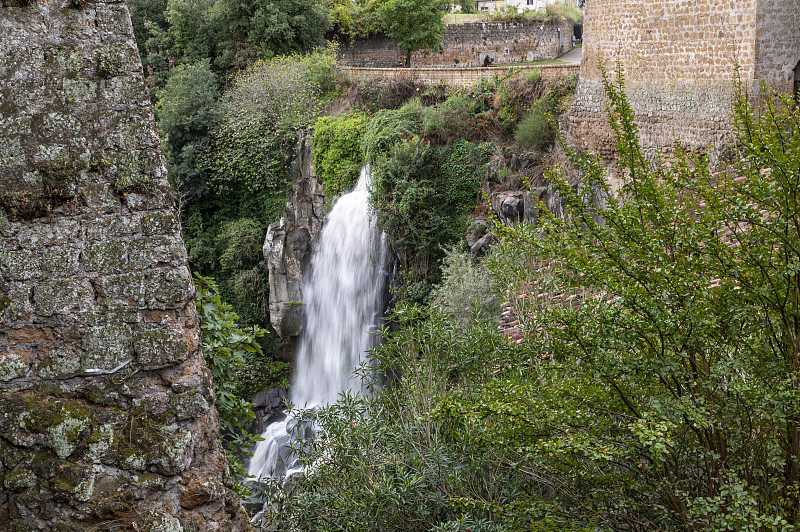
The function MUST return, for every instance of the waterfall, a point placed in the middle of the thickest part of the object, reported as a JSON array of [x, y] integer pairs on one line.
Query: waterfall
[[345, 295]]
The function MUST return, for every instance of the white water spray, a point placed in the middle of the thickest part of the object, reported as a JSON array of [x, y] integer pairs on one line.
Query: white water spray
[[344, 298]]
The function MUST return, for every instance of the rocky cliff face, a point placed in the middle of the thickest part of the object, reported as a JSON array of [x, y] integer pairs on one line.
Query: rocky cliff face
[[106, 406], [289, 244]]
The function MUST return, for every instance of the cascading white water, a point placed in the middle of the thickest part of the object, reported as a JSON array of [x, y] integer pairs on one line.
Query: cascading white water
[[344, 298]]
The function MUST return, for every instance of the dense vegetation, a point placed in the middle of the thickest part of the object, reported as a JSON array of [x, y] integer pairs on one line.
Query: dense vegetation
[[656, 388]]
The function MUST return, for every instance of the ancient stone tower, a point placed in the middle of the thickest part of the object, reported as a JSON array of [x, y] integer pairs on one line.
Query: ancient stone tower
[[106, 406], [678, 58]]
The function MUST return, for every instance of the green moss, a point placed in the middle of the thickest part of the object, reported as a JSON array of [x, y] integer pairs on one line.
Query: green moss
[[20, 480], [57, 180], [61, 423], [75, 480], [111, 59], [12, 366]]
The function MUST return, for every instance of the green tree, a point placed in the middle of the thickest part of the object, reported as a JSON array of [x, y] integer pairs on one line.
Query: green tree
[[673, 371], [187, 113], [414, 24], [226, 347]]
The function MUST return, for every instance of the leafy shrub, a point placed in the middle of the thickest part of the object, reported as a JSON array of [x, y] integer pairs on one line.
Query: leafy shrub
[[421, 195], [661, 319], [433, 126], [187, 114], [373, 95], [337, 151], [467, 292], [225, 347], [564, 11], [389, 127], [391, 461], [535, 130], [241, 241], [262, 372], [261, 113], [534, 75], [320, 69]]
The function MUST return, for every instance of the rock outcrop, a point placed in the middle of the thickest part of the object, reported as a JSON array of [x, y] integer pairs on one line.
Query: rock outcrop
[[289, 244], [106, 405]]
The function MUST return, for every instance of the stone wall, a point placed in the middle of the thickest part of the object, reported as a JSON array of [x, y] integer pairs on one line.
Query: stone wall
[[106, 406], [469, 45], [457, 77], [678, 59], [778, 42]]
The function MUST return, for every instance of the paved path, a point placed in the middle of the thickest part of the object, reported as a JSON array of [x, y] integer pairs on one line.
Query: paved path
[[573, 56]]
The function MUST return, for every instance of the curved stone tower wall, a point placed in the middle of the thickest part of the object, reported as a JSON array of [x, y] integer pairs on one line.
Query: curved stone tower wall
[[678, 57], [106, 405]]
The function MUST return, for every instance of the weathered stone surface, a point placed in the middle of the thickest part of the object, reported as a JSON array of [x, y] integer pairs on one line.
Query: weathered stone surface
[[678, 59], [106, 405], [289, 243], [473, 44]]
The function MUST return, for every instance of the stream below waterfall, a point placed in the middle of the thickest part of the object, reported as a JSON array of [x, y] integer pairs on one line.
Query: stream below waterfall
[[345, 294]]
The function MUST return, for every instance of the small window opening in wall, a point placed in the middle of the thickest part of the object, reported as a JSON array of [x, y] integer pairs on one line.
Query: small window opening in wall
[[507, 52]]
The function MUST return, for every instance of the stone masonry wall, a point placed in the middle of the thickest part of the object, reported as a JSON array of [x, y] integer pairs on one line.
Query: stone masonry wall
[[678, 59], [778, 42], [468, 45], [458, 77], [106, 406]]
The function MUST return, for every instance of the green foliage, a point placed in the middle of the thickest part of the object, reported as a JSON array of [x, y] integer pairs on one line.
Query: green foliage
[[389, 461], [187, 113], [359, 18], [525, 107], [388, 127], [564, 11], [657, 385], [337, 151], [373, 95], [673, 372], [534, 75], [535, 130], [241, 241], [261, 113], [467, 293], [421, 195], [231, 34], [262, 372], [414, 24], [225, 348]]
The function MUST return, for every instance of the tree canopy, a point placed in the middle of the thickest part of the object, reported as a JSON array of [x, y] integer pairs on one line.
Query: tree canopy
[[414, 24]]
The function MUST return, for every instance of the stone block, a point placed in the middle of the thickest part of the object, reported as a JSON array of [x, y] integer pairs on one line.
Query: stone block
[[63, 296], [106, 347], [60, 262], [14, 364], [160, 347], [18, 265]]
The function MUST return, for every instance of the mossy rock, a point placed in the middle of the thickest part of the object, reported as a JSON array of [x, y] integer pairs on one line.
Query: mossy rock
[[57, 184], [20, 480], [34, 422]]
